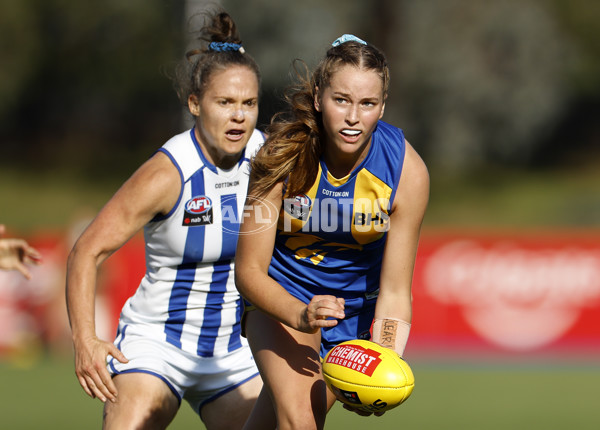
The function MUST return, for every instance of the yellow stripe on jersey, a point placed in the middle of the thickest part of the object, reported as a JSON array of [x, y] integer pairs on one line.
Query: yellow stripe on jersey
[[302, 244], [335, 181], [371, 207]]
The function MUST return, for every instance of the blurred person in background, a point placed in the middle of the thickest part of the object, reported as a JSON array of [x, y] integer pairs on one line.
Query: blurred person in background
[[179, 334], [17, 254], [22, 301], [350, 194]]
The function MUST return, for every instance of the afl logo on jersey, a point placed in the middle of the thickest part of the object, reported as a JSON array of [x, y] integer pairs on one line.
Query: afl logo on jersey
[[298, 207], [198, 211]]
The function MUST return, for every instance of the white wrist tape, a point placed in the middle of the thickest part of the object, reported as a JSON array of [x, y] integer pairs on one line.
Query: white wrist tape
[[391, 333]]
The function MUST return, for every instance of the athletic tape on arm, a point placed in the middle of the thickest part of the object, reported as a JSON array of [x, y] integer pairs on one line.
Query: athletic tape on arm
[[391, 333]]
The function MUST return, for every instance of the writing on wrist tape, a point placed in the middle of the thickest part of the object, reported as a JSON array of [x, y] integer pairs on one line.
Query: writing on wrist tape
[[391, 333]]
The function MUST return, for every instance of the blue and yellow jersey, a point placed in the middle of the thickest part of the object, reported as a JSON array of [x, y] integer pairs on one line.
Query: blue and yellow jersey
[[331, 239]]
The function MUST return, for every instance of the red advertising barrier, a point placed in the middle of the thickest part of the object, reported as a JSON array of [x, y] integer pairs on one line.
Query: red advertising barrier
[[507, 293], [33, 315], [491, 294]]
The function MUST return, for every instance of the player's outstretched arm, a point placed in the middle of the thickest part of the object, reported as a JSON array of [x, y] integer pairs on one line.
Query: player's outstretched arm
[[153, 189], [393, 311]]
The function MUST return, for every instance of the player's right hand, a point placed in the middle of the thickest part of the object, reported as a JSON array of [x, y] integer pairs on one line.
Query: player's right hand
[[90, 367], [322, 311]]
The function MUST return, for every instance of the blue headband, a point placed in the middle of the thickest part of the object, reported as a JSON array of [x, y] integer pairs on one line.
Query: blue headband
[[347, 38], [226, 46]]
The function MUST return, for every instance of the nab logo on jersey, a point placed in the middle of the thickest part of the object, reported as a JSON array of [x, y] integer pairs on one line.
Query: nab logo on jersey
[[198, 211]]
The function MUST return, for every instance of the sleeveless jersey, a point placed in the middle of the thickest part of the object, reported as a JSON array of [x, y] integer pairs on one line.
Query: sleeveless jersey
[[331, 239], [187, 295]]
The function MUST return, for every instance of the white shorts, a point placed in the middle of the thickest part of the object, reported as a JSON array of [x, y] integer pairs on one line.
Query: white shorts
[[198, 380]]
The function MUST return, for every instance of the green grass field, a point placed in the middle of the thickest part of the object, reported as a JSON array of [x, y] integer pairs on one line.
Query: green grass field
[[452, 396]]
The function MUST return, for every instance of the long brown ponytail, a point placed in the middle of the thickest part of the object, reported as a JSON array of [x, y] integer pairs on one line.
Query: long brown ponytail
[[293, 147]]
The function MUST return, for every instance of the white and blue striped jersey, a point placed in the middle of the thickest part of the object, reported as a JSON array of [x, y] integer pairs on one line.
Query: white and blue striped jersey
[[188, 295]]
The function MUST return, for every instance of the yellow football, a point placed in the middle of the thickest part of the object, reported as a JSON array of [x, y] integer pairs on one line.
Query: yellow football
[[367, 376]]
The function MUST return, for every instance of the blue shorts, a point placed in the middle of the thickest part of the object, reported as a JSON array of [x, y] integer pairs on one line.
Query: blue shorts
[[356, 325]]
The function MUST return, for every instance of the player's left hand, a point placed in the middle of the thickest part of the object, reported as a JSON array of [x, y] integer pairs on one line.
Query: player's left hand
[[361, 412]]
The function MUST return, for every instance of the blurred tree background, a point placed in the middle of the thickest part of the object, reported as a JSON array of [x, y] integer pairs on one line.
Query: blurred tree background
[[501, 98]]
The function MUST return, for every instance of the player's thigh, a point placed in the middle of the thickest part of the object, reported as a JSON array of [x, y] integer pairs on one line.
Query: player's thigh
[[144, 401], [231, 410], [290, 366]]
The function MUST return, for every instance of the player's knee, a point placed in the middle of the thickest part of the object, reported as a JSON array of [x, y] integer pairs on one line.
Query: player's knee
[[307, 417], [304, 414], [297, 423], [123, 414]]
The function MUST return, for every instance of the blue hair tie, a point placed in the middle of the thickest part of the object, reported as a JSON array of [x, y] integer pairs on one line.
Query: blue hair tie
[[225, 46], [347, 38]]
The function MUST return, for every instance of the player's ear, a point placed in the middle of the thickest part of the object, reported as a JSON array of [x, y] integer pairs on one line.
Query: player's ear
[[317, 102], [194, 105], [383, 107]]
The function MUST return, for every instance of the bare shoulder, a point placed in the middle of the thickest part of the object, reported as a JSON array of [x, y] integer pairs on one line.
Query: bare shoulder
[[155, 184], [414, 171], [151, 190], [160, 170], [413, 189]]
